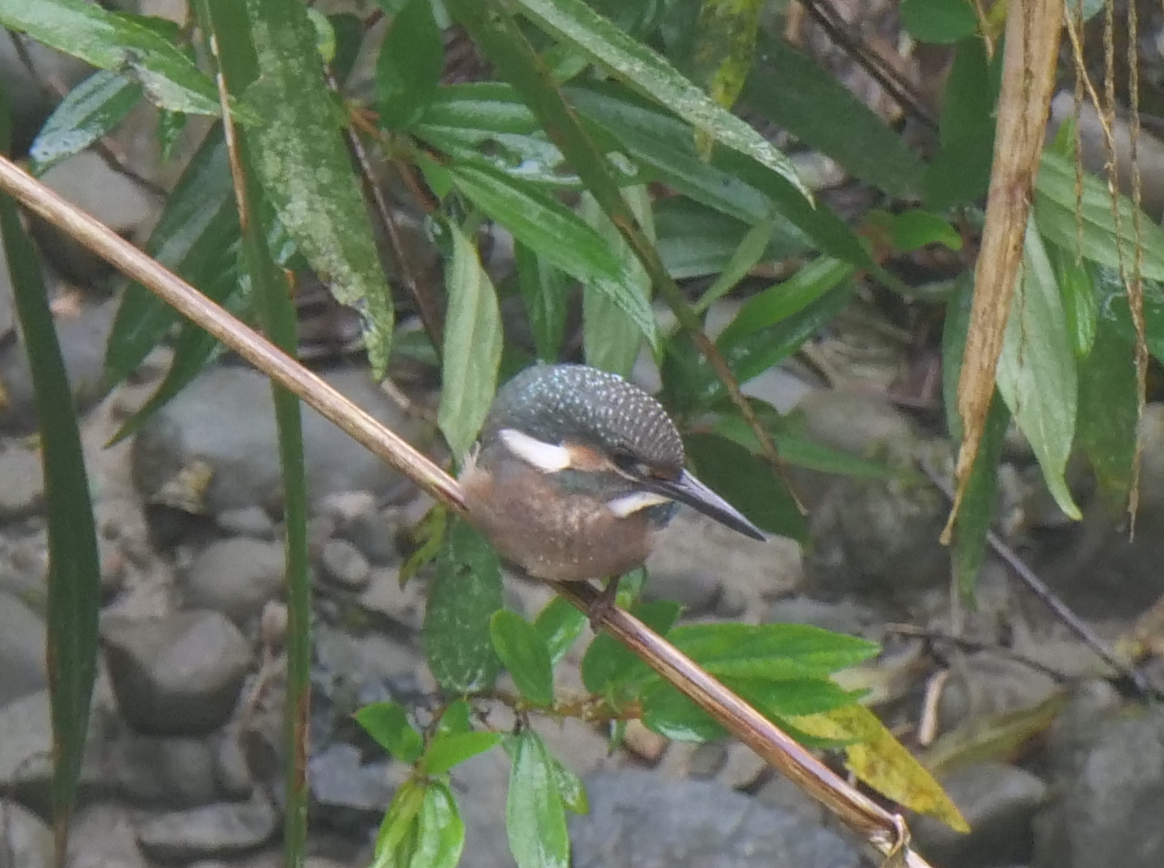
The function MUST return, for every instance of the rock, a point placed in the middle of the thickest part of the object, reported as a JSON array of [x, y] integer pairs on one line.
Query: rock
[[342, 564], [1110, 810], [22, 493], [220, 432], [373, 532], [179, 675], [236, 577], [231, 772], [216, 831], [114, 198], [999, 802], [703, 562], [103, 837], [22, 638], [347, 794], [31, 104], [252, 521], [26, 841], [26, 754], [640, 819], [159, 772], [985, 685], [82, 336], [1089, 711]]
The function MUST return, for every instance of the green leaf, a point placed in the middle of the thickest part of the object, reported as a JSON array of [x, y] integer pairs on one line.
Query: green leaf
[[724, 45], [535, 817], [74, 571], [672, 715], [560, 624], [773, 651], [1079, 303], [748, 482], [387, 723], [608, 662], [1055, 215], [610, 338], [558, 235], [1109, 406], [463, 597], [696, 241], [89, 111], [798, 451], [485, 123], [441, 832], [472, 351], [453, 748], [939, 21], [457, 718], [197, 238], [914, 229], [570, 788], [545, 296], [118, 44], [960, 172], [667, 145], [638, 65], [1036, 371], [782, 300], [743, 259], [306, 171], [524, 654], [396, 840], [409, 67], [792, 91]]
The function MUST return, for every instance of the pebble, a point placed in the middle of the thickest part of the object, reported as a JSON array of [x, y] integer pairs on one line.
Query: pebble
[[22, 638], [26, 841], [236, 577], [213, 448], [343, 565], [179, 675], [214, 831], [160, 772], [637, 819], [102, 836], [22, 493]]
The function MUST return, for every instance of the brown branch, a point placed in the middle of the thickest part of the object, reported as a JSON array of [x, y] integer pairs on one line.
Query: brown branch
[[884, 831]]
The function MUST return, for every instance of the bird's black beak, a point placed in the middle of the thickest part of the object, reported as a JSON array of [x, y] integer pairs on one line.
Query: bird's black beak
[[689, 490]]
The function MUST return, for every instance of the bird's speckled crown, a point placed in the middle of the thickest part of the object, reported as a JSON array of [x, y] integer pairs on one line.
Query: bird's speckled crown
[[553, 402]]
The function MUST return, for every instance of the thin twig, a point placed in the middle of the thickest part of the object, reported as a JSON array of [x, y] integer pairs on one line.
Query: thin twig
[[1039, 588]]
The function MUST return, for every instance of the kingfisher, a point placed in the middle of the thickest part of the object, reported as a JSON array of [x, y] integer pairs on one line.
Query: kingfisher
[[575, 472]]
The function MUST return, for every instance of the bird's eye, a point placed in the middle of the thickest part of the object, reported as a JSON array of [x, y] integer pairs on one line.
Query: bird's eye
[[630, 465]]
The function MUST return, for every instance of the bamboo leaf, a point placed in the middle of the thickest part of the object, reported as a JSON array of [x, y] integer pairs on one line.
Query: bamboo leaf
[[89, 111]]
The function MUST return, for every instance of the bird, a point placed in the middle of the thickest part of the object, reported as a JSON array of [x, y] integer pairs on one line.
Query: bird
[[574, 473]]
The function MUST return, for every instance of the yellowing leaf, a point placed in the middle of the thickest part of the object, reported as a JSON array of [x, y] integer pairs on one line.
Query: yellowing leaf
[[881, 761]]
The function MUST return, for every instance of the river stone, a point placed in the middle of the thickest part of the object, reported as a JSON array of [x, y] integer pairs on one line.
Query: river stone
[[179, 675], [999, 801], [22, 493], [221, 430], [26, 841], [236, 577], [102, 836], [1111, 807], [639, 819], [82, 337], [214, 831], [26, 753], [161, 772], [343, 565], [22, 636]]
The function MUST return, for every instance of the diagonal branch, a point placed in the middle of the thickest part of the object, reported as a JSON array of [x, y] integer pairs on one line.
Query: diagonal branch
[[885, 831]]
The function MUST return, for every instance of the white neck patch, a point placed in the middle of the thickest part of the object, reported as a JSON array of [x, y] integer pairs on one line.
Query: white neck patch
[[546, 457], [631, 503]]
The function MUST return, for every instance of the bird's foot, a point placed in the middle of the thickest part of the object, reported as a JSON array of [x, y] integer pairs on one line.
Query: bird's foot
[[602, 605]]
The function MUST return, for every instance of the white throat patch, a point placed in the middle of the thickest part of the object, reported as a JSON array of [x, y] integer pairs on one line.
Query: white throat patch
[[631, 503], [546, 457]]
